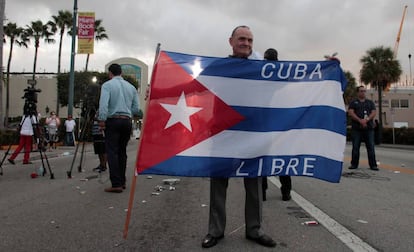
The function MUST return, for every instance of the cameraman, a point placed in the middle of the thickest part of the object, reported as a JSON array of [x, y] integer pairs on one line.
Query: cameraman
[[26, 135]]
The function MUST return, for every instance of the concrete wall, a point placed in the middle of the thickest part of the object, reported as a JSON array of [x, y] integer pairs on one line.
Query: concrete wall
[[46, 98]]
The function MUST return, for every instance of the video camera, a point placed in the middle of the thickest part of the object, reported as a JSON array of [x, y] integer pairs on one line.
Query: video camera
[[30, 96], [91, 100]]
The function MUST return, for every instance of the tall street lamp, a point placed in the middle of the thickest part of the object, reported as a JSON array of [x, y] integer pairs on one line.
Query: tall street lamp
[[72, 59]]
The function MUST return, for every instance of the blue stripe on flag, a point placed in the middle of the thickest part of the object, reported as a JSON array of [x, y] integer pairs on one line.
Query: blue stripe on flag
[[256, 69], [300, 165], [281, 119]]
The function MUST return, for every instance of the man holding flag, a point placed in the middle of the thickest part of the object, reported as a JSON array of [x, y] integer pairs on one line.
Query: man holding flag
[[241, 41], [233, 117]]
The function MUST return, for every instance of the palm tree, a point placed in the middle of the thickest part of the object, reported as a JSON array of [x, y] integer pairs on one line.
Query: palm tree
[[62, 21], [16, 36], [37, 30], [100, 34], [349, 92], [380, 68]]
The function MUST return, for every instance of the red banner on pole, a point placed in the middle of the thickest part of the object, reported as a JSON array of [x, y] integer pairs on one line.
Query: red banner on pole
[[86, 32]]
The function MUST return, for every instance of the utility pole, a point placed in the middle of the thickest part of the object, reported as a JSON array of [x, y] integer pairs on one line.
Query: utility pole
[[72, 59], [2, 6], [411, 76]]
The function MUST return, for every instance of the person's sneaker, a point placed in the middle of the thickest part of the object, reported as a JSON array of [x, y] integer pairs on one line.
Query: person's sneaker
[[99, 169], [374, 168], [352, 167], [11, 161], [27, 162]]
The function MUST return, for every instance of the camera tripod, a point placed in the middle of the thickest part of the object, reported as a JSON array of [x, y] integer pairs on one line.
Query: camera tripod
[[4, 158], [39, 139], [90, 113]]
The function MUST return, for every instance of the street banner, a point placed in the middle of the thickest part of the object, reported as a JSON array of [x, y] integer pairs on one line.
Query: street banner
[[231, 117], [86, 32]]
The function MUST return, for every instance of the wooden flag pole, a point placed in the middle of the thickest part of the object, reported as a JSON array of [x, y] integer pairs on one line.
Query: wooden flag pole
[[134, 180]]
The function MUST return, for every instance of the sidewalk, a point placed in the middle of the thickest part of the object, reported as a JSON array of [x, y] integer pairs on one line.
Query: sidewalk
[[53, 153]]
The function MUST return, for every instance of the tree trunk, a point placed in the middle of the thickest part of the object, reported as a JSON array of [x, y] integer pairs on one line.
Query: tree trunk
[[34, 61], [380, 86], [6, 119], [58, 71]]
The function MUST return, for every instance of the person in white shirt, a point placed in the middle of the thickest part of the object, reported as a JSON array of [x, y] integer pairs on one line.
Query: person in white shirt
[[70, 125], [53, 123]]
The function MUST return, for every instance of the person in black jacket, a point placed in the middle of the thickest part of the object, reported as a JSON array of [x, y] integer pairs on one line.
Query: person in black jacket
[[362, 112], [286, 181]]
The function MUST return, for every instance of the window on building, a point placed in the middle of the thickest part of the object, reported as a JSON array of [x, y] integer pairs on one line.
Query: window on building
[[399, 103], [404, 103]]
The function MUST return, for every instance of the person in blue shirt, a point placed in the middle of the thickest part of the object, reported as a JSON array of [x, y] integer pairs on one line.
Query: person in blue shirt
[[118, 102]]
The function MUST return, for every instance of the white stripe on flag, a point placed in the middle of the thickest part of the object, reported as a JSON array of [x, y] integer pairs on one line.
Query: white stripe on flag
[[272, 94], [242, 144]]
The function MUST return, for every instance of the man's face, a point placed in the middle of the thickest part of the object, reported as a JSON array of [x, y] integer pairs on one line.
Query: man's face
[[361, 93], [242, 42]]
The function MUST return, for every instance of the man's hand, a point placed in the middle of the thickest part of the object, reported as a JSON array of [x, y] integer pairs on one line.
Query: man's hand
[[101, 125], [364, 123]]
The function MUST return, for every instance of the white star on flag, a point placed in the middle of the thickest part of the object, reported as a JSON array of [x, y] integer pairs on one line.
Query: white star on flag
[[180, 112]]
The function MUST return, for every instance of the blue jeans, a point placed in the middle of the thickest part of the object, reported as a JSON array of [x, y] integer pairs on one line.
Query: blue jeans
[[69, 141], [368, 137], [117, 135]]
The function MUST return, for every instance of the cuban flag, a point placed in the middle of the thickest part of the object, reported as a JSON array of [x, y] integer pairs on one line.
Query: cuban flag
[[231, 117]]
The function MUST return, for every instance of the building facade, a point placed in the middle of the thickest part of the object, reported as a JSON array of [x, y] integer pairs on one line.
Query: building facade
[[47, 83], [397, 106]]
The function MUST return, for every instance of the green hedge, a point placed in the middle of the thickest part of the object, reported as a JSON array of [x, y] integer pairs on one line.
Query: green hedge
[[402, 136]]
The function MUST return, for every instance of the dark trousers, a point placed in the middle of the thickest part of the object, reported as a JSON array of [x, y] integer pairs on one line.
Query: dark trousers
[[368, 137], [285, 181], [253, 206], [117, 134]]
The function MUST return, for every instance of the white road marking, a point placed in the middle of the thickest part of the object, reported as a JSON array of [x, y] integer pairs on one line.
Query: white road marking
[[347, 237]]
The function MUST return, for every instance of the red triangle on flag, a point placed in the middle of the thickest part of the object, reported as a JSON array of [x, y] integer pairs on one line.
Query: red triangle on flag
[[169, 82]]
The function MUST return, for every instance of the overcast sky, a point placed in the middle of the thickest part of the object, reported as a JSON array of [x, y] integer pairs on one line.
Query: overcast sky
[[298, 29]]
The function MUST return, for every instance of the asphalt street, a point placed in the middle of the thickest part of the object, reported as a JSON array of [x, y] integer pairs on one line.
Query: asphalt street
[[366, 211]]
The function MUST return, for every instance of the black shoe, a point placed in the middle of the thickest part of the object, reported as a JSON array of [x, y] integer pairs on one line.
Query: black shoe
[[263, 240], [99, 169], [113, 189], [374, 168], [28, 162], [11, 161], [210, 241], [352, 167], [286, 197]]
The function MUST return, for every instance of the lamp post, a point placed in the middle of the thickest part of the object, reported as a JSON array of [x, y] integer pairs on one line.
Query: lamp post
[[411, 76], [72, 59]]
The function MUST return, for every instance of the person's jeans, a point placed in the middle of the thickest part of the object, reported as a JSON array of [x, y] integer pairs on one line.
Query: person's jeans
[[117, 135], [69, 141], [368, 137]]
